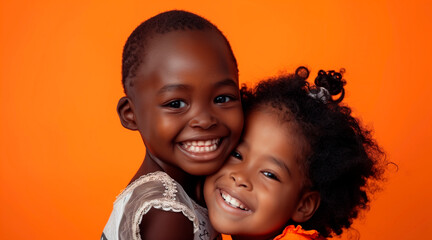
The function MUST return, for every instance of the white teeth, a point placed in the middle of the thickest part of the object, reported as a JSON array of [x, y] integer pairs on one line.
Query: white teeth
[[201, 146], [233, 202]]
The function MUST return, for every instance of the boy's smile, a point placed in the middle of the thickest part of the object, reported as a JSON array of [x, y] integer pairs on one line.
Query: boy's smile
[[185, 100], [200, 146]]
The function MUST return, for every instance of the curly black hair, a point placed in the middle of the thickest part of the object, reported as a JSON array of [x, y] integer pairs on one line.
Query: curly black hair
[[343, 159], [175, 20]]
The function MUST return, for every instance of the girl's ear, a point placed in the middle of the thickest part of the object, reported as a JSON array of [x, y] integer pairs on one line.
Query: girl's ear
[[126, 113], [307, 206]]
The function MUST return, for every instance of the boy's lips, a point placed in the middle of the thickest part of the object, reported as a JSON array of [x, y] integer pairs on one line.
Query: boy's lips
[[201, 146], [203, 149]]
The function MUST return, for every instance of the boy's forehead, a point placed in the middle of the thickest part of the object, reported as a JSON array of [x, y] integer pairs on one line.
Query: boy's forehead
[[183, 41], [183, 50]]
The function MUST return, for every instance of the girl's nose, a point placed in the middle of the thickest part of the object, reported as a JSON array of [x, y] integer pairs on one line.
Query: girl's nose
[[241, 180], [203, 119]]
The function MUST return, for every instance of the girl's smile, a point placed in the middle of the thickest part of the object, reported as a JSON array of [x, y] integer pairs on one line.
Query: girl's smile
[[232, 201]]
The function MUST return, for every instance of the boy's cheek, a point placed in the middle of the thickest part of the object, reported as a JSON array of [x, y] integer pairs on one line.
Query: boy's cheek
[[237, 122]]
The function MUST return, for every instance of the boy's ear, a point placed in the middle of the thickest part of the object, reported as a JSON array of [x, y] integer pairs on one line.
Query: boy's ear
[[307, 206], [126, 113]]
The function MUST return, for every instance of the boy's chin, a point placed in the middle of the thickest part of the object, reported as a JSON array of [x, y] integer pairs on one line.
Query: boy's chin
[[204, 169]]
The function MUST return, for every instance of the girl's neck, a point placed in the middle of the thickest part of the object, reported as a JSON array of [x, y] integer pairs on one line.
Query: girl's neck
[[265, 237], [191, 184]]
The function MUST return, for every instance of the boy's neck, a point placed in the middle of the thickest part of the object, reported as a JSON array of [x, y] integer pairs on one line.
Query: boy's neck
[[191, 184]]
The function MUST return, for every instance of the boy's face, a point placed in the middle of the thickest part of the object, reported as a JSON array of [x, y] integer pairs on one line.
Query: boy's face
[[259, 189], [185, 100]]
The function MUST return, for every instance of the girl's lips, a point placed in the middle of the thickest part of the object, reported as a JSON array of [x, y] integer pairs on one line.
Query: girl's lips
[[231, 203]]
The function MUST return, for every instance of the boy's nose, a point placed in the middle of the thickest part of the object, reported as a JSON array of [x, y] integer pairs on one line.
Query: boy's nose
[[203, 119], [241, 180]]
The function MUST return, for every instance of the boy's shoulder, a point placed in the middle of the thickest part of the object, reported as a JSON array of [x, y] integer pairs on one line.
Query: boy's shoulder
[[152, 185], [153, 204], [159, 191]]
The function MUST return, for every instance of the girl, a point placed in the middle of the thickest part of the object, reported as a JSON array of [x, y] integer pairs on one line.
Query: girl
[[303, 159]]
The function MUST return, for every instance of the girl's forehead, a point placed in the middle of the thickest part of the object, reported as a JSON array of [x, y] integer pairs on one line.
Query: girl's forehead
[[267, 123], [266, 120]]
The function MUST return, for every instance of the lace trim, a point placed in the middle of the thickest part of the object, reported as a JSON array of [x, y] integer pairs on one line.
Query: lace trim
[[167, 181], [167, 203]]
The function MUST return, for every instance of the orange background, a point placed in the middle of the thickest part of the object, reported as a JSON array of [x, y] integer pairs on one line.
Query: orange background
[[64, 155]]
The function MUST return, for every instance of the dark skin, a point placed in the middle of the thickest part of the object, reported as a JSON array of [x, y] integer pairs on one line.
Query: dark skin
[[264, 175], [184, 92]]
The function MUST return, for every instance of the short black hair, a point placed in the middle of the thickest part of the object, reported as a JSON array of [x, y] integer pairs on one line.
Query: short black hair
[[175, 20], [342, 158]]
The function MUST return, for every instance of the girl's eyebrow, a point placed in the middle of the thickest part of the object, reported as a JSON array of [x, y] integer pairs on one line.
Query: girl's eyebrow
[[173, 87], [280, 164]]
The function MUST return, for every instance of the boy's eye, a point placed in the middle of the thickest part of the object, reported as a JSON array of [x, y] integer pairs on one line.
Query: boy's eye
[[176, 104], [222, 99], [270, 175], [237, 155]]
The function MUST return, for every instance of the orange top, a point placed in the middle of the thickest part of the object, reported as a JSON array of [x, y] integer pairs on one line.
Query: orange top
[[297, 233], [292, 233]]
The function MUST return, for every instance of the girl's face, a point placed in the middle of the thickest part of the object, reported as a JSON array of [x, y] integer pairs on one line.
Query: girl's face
[[259, 189]]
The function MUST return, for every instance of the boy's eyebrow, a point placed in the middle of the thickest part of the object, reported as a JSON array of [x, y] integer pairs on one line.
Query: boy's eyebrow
[[227, 82], [172, 87]]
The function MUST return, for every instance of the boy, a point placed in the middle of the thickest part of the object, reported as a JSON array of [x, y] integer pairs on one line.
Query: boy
[[180, 78]]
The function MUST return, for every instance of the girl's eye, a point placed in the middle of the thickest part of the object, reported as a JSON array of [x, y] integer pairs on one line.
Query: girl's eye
[[237, 155], [222, 99], [176, 104], [270, 175]]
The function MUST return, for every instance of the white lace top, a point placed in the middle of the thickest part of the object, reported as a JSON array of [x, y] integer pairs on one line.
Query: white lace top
[[160, 191]]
